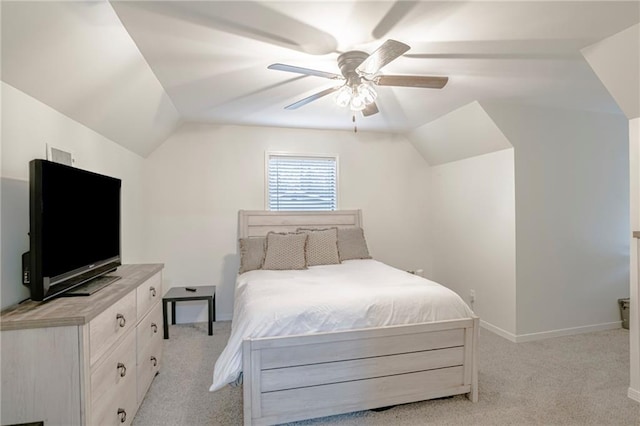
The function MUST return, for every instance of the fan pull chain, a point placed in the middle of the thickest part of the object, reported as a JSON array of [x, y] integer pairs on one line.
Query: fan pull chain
[[355, 128]]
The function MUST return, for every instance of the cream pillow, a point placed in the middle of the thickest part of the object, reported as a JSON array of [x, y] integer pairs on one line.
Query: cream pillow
[[322, 246], [352, 244], [285, 251], [252, 252]]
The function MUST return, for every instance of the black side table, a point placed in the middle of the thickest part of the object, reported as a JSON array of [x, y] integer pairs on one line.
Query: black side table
[[180, 294]]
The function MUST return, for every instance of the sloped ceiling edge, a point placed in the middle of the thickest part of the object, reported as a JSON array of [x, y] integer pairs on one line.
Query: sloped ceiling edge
[[77, 58], [463, 133], [616, 62]]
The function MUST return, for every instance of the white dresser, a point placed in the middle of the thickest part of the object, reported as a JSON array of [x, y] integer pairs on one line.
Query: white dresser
[[83, 360]]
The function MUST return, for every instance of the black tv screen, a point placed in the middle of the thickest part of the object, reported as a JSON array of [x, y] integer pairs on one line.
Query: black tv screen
[[74, 227]]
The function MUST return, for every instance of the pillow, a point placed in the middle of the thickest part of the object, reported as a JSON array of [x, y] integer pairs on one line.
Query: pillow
[[351, 244], [252, 252], [322, 246], [285, 251]]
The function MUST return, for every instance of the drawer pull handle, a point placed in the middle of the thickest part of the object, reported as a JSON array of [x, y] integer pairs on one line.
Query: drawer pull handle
[[121, 320], [153, 291], [123, 415], [154, 327], [154, 360], [122, 368]]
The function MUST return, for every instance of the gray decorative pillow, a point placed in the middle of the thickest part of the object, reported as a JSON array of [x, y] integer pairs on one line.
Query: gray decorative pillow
[[322, 246], [351, 244], [252, 252], [285, 251]]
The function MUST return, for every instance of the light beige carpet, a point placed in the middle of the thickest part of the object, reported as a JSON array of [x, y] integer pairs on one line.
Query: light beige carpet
[[576, 380]]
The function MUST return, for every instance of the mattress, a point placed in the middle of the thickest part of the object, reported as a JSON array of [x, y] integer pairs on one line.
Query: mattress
[[356, 294]]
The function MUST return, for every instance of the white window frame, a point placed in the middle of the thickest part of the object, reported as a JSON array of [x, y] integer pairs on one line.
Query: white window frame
[[268, 154]]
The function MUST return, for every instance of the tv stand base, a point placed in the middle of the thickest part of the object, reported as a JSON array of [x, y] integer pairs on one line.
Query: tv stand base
[[91, 286]]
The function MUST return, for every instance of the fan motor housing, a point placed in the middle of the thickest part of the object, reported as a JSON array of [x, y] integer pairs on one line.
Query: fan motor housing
[[349, 61]]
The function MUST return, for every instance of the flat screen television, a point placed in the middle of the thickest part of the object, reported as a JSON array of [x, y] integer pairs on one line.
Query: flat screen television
[[74, 220]]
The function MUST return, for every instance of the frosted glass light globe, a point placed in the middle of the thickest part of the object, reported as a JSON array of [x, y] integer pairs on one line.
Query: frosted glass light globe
[[343, 96]]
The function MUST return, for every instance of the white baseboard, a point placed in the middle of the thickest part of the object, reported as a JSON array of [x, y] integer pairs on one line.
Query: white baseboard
[[634, 394], [497, 330], [530, 337]]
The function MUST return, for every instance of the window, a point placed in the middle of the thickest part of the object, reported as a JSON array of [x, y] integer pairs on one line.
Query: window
[[302, 182]]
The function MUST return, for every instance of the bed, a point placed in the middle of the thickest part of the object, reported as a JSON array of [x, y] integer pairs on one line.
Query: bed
[[334, 339]]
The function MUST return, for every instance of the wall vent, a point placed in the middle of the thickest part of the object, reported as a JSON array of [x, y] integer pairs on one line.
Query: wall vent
[[59, 156]]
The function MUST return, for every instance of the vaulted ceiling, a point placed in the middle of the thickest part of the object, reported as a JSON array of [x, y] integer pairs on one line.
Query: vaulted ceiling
[[133, 71]]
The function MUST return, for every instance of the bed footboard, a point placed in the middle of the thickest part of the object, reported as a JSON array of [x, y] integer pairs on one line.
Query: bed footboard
[[301, 377]]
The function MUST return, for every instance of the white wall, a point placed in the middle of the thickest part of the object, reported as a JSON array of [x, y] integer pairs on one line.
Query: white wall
[[202, 175], [27, 125], [616, 61], [572, 217], [634, 314], [473, 234]]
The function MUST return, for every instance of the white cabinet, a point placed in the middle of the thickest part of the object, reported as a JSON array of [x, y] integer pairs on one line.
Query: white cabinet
[[83, 360]]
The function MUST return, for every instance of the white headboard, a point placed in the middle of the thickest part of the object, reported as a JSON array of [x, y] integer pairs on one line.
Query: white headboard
[[257, 223]]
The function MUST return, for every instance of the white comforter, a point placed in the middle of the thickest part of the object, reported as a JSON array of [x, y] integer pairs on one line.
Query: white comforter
[[355, 294]]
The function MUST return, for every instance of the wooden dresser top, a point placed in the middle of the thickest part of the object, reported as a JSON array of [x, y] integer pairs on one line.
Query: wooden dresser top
[[68, 311]]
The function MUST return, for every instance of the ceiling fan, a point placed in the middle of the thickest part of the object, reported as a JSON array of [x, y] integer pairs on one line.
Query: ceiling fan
[[360, 73]]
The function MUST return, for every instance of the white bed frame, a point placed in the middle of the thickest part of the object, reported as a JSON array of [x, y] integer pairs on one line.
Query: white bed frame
[[306, 376]]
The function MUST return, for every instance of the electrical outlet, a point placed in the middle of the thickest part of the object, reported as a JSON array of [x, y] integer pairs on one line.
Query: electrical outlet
[[472, 296]]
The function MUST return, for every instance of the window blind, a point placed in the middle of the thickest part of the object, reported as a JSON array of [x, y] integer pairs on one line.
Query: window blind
[[302, 183]]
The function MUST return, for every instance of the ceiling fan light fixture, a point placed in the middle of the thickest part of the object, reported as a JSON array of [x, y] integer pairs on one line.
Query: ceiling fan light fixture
[[360, 75], [357, 103], [368, 93], [343, 96], [357, 97]]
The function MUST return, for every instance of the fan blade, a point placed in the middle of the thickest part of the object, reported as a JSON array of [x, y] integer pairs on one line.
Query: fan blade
[[394, 15], [553, 49], [314, 97], [411, 81], [305, 71], [390, 50], [370, 109], [248, 19]]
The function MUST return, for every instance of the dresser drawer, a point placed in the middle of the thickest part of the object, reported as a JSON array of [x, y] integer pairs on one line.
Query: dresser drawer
[[149, 361], [115, 371], [111, 324], [149, 293], [149, 329], [116, 408]]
